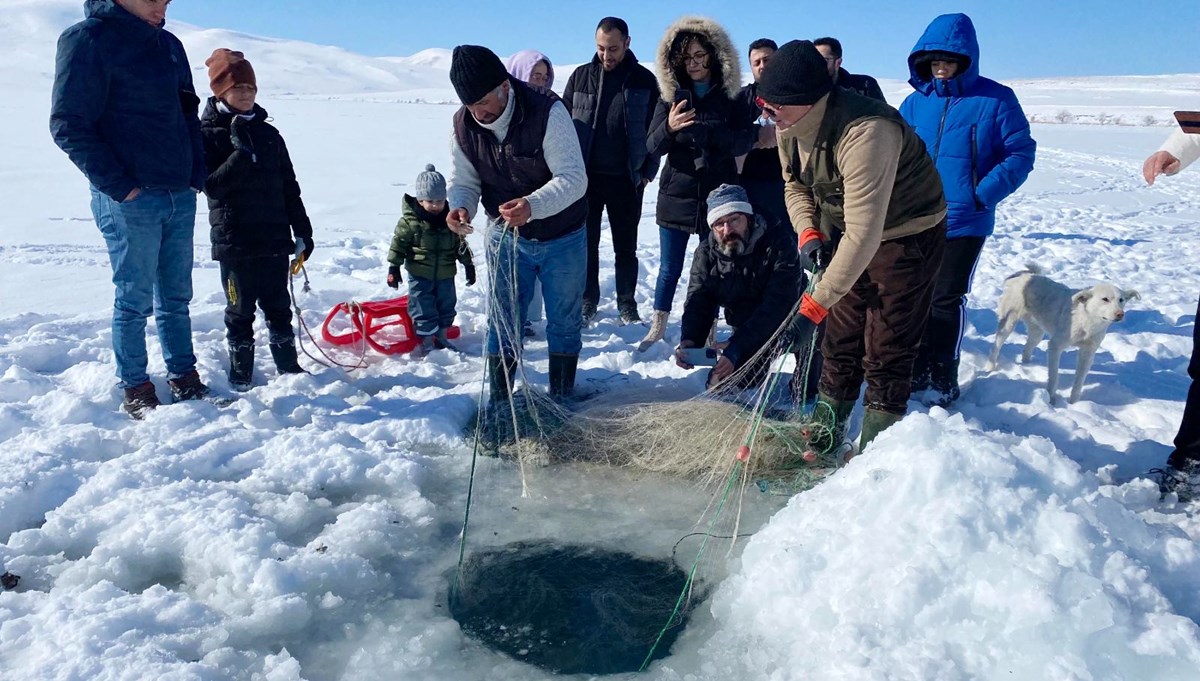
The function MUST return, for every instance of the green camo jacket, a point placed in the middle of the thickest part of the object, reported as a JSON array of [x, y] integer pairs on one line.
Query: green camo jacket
[[425, 246]]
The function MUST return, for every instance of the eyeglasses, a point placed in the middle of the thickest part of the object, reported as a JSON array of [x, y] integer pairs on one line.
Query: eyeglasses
[[730, 221], [698, 58]]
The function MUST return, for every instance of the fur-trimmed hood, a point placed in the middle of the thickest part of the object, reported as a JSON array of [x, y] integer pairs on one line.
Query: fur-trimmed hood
[[727, 61]]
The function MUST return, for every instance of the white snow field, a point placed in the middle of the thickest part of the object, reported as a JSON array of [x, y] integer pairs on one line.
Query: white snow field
[[307, 531]]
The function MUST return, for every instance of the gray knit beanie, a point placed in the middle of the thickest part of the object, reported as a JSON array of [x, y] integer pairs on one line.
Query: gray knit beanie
[[430, 185], [727, 199]]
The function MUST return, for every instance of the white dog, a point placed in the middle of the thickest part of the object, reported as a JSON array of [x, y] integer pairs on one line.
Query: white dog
[[1071, 319]]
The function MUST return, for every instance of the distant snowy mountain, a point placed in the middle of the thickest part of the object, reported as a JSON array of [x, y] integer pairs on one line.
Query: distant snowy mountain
[[29, 30]]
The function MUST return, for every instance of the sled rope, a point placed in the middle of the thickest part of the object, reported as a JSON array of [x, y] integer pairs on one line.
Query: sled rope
[[302, 329]]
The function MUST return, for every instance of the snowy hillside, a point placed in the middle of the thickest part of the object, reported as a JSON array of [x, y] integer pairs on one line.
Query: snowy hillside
[[307, 531]]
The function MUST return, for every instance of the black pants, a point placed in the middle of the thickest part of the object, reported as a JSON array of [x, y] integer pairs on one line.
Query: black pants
[[623, 200], [941, 344], [260, 282], [873, 331], [1187, 442]]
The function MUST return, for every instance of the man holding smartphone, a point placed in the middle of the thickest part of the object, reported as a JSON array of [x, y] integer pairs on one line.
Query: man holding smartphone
[[1182, 475], [748, 266]]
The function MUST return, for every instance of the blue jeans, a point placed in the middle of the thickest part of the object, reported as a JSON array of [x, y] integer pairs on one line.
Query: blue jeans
[[431, 304], [561, 267], [673, 245], [150, 248]]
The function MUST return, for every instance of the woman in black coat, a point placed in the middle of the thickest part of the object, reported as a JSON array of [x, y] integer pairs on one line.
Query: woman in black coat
[[697, 127]]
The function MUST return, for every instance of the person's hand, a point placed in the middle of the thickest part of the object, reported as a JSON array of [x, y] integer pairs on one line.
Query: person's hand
[[1159, 163], [469, 268], [679, 360], [132, 195], [766, 138], [679, 118], [304, 247], [802, 327], [799, 333], [815, 252], [458, 220], [723, 370], [238, 136], [516, 212], [394, 277]]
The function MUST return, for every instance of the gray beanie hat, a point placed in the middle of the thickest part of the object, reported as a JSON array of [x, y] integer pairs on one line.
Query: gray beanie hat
[[430, 185], [726, 199]]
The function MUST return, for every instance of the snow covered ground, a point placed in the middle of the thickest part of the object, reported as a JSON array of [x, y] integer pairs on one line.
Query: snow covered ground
[[306, 531]]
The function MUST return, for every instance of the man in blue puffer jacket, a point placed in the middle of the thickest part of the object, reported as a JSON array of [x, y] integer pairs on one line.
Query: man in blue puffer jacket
[[125, 111], [979, 139]]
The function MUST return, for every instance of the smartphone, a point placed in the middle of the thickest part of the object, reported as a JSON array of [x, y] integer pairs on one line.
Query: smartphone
[[682, 95], [1189, 121], [700, 357]]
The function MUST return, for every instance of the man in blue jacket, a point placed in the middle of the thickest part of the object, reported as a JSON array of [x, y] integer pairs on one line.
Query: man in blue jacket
[[979, 139], [125, 111]]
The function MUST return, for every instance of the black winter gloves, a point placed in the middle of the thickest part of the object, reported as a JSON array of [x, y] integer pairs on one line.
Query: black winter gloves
[[815, 252], [469, 268], [239, 137], [803, 326], [394, 277]]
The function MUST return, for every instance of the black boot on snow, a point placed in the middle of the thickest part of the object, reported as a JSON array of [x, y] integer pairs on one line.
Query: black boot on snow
[[241, 366], [284, 353]]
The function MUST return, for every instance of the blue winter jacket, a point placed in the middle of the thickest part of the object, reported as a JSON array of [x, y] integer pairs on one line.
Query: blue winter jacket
[[124, 107], [972, 126]]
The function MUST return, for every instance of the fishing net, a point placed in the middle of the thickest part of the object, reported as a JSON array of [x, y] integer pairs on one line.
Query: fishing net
[[537, 579]]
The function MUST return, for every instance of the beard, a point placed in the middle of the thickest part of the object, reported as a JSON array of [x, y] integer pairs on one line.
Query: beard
[[733, 246]]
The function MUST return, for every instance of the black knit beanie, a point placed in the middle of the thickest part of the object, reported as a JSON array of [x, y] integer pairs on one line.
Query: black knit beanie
[[475, 71], [796, 75]]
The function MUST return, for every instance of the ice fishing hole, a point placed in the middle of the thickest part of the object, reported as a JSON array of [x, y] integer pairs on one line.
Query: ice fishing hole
[[571, 609]]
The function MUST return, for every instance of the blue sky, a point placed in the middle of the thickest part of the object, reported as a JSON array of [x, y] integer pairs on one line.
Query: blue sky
[[1019, 38]]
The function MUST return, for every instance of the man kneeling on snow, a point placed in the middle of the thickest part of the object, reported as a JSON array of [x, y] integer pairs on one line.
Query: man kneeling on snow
[[748, 266]]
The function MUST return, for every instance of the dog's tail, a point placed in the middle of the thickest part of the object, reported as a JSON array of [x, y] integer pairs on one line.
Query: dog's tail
[[1030, 268]]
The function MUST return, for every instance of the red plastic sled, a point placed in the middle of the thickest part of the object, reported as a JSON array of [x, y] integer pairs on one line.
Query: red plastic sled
[[384, 324]]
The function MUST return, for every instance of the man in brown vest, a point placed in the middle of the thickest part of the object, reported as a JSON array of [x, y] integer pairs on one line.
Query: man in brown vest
[[515, 149], [853, 166]]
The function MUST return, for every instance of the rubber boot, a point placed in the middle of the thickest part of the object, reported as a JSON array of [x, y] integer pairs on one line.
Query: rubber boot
[[284, 353], [502, 373], [874, 423], [828, 425], [241, 366], [658, 329], [562, 374]]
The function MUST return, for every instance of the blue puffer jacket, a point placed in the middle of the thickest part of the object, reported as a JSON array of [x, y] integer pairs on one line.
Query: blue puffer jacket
[[124, 107], [972, 126]]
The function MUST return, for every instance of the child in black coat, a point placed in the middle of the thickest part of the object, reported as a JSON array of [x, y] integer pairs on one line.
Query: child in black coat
[[258, 219]]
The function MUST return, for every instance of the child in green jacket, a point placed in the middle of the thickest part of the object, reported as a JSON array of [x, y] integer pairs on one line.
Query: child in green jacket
[[427, 248]]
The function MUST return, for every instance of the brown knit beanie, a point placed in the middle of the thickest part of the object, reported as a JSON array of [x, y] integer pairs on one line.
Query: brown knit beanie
[[226, 69]]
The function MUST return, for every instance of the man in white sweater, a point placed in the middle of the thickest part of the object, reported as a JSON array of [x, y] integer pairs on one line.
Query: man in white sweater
[[1183, 466], [515, 149]]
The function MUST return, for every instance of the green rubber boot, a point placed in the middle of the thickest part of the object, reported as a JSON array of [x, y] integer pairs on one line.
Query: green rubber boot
[[874, 423], [827, 425]]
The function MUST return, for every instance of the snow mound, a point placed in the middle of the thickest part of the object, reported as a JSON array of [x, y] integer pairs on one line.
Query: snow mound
[[943, 552]]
